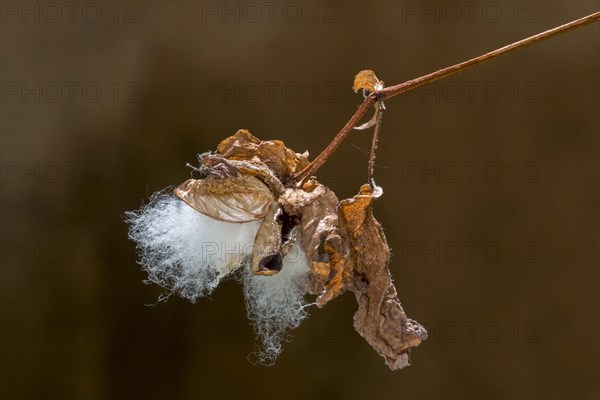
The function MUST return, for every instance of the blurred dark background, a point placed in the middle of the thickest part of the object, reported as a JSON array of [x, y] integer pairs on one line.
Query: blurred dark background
[[490, 204]]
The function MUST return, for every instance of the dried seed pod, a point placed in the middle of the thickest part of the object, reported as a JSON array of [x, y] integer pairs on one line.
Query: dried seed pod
[[273, 241], [307, 243]]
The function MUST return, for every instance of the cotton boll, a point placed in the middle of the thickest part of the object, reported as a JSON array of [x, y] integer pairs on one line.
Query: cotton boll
[[276, 303], [184, 251]]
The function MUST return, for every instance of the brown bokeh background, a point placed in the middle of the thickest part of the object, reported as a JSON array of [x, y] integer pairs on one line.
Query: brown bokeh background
[[520, 324]]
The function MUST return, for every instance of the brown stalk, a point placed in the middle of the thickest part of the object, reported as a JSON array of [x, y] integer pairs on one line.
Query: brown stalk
[[376, 130], [391, 91]]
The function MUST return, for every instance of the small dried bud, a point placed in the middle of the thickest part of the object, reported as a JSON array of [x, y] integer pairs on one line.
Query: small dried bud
[[367, 81]]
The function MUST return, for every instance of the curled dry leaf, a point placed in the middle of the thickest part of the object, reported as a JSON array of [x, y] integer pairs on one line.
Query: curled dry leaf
[[380, 318]]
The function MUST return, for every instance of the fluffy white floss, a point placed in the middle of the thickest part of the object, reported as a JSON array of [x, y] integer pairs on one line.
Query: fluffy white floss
[[188, 253], [184, 251], [276, 303]]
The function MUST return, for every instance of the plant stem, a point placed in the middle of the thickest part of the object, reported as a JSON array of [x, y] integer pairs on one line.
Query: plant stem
[[376, 130], [395, 90]]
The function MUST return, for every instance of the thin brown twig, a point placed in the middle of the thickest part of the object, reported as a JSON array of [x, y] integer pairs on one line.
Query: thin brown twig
[[391, 91], [376, 130]]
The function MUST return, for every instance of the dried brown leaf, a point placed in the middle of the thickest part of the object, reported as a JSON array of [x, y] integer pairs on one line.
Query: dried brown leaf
[[380, 318]]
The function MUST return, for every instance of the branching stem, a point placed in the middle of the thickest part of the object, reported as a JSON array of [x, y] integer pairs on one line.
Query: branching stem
[[391, 91]]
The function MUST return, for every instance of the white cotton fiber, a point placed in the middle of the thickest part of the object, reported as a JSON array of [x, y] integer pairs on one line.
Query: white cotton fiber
[[184, 251], [276, 303]]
